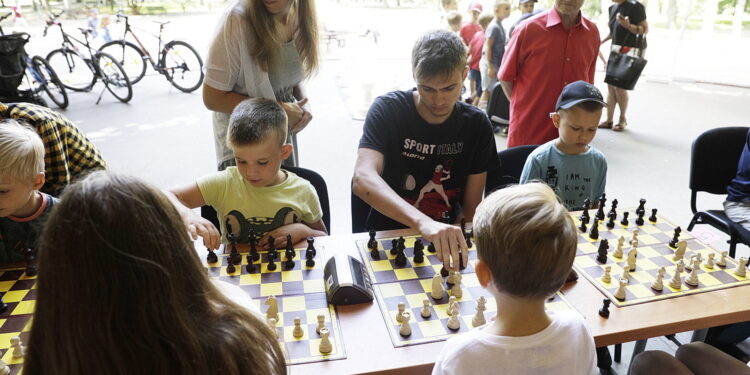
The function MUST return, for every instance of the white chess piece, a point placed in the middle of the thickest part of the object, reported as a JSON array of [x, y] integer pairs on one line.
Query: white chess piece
[[625, 275], [298, 332], [273, 308], [4, 369], [607, 277], [456, 290], [676, 282], [451, 302], [405, 329], [636, 232], [680, 252], [325, 346], [400, 312], [321, 323], [723, 260], [710, 262], [740, 270], [451, 275], [18, 349], [631, 260], [426, 312], [680, 265], [692, 279], [478, 318], [272, 324], [658, 284], [454, 322], [618, 250], [437, 287], [620, 292]]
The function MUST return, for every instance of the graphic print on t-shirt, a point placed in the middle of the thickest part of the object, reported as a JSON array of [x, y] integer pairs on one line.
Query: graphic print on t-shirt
[[236, 223], [571, 182]]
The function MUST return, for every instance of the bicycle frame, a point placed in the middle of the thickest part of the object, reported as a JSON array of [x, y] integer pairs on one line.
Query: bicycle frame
[[146, 53]]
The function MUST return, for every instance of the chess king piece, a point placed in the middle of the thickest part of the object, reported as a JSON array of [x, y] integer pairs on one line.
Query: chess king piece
[[478, 318], [658, 284], [298, 332], [604, 311], [321, 323], [325, 346], [426, 312], [405, 329], [273, 308], [607, 277], [400, 312], [620, 292]]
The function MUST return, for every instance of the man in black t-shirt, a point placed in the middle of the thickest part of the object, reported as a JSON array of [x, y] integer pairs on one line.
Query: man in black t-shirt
[[424, 156], [627, 19]]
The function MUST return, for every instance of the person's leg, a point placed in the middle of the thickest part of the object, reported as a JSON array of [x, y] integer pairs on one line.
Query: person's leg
[[702, 358], [739, 212], [611, 103], [622, 101], [657, 362]]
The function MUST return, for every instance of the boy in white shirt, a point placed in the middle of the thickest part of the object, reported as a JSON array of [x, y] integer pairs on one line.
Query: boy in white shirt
[[526, 243]]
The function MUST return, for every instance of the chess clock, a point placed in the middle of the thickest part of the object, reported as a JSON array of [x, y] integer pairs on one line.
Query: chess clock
[[346, 280]]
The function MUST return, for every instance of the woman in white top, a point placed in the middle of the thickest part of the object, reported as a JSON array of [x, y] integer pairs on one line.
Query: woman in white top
[[261, 48]]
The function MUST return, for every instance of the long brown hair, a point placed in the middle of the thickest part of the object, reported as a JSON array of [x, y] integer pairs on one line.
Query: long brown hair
[[267, 38], [121, 291]]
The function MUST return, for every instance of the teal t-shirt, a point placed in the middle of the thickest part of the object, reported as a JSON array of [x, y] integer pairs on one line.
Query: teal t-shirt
[[573, 177], [18, 233], [260, 209]]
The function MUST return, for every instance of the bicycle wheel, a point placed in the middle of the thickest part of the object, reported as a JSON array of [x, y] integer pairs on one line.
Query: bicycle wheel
[[129, 56], [114, 77], [182, 65], [49, 81], [72, 70]]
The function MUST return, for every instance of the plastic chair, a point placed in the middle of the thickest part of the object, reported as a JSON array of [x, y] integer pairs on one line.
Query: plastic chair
[[713, 164], [498, 107], [512, 161], [317, 181]]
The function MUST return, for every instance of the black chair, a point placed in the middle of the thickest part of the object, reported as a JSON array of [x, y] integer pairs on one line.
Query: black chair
[[317, 181], [359, 209], [511, 166], [713, 164], [498, 107]]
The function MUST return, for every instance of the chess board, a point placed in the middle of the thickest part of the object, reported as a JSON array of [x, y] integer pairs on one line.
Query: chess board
[[412, 284], [20, 295], [300, 292], [653, 252]]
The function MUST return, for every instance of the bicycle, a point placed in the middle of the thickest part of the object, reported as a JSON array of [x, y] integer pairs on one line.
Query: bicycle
[[179, 62], [79, 73], [39, 75]]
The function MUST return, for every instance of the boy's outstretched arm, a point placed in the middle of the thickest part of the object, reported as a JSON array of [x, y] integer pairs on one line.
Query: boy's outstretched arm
[[298, 231], [184, 199], [473, 194], [370, 186]]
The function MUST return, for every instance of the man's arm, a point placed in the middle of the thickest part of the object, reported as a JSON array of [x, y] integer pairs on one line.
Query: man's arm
[[473, 193], [370, 187], [507, 88]]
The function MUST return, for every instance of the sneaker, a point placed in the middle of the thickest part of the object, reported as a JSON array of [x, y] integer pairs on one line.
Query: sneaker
[[496, 129], [504, 131]]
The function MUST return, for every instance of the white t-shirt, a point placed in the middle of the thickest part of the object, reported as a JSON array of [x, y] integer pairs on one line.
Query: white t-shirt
[[238, 296], [565, 347]]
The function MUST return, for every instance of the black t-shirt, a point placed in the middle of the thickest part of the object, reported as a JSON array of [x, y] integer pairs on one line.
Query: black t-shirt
[[632, 9], [427, 159], [16, 234]]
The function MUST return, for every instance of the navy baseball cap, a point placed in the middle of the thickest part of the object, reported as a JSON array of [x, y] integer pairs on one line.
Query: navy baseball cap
[[578, 92]]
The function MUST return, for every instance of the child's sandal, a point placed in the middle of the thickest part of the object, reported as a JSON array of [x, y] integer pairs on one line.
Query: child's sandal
[[620, 126]]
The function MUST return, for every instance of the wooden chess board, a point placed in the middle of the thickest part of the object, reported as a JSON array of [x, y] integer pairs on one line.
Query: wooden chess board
[[19, 292], [653, 252], [412, 283], [300, 292]]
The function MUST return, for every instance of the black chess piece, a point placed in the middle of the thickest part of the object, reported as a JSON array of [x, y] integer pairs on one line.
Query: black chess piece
[[639, 219], [29, 255], [250, 267], [463, 226], [271, 264], [211, 257], [311, 245], [228, 227], [624, 222], [600, 213], [611, 222], [289, 264], [603, 200], [641, 206], [374, 253], [602, 252], [431, 247], [3, 305], [310, 262], [372, 242], [230, 266], [234, 254], [613, 208], [582, 227], [289, 243], [467, 238], [594, 234], [444, 272], [653, 218], [585, 214], [675, 237], [402, 243], [418, 252], [271, 243], [253, 246], [400, 257], [604, 311], [394, 246], [461, 265]]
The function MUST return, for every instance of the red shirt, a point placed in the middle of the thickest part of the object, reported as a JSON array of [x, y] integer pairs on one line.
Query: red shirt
[[468, 31], [541, 58], [475, 49]]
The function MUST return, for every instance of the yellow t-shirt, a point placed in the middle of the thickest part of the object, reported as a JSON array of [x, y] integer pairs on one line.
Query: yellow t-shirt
[[260, 209]]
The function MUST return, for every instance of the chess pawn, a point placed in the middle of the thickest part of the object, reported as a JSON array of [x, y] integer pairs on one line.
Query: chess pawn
[[400, 313], [636, 232], [631, 260], [272, 324], [18, 349], [454, 322], [451, 277], [710, 262], [675, 282], [211, 257], [4, 369], [451, 303], [624, 222], [680, 265], [325, 346], [405, 329], [607, 277], [437, 287], [740, 270], [298, 332], [692, 280], [321, 323], [723, 259], [478, 318], [620, 292], [625, 275], [456, 290], [618, 251], [426, 312], [658, 284]]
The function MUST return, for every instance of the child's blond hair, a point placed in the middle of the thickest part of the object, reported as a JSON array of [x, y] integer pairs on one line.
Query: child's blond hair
[[485, 19], [454, 18], [21, 151], [527, 239], [501, 2], [253, 120]]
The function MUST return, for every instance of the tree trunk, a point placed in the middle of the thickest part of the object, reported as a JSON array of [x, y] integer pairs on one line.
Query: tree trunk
[[709, 16], [739, 12]]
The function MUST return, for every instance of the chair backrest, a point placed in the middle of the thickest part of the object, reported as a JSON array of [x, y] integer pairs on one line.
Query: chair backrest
[[359, 210], [714, 158], [512, 161], [498, 106], [316, 180]]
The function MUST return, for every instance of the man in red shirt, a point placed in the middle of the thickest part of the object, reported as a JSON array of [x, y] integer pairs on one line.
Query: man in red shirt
[[546, 53]]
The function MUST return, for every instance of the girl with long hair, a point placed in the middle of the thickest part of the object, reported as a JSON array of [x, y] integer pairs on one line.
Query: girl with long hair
[[121, 291], [263, 48]]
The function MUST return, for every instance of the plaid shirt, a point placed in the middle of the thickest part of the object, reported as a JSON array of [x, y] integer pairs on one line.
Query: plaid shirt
[[68, 154]]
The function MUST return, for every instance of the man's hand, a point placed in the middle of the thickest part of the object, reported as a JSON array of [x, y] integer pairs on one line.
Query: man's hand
[[624, 21], [448, 241]]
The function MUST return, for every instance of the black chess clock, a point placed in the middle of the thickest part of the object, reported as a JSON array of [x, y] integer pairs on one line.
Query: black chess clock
[[346, 280]]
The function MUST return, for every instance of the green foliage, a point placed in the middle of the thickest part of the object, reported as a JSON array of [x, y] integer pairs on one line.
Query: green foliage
[[592, 9]]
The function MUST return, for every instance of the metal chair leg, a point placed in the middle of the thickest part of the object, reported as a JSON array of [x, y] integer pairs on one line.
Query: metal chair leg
[[618, 352], [699, 335]]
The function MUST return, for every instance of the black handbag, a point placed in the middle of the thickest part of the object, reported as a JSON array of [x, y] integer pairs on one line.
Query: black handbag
[[624, 69]]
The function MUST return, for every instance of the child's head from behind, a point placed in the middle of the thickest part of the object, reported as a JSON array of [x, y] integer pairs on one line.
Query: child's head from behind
[[502, 9], [21, 166], [141, 294], [526, 241], [579, 109], [454, 20], [257, 135], [484, 20]]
